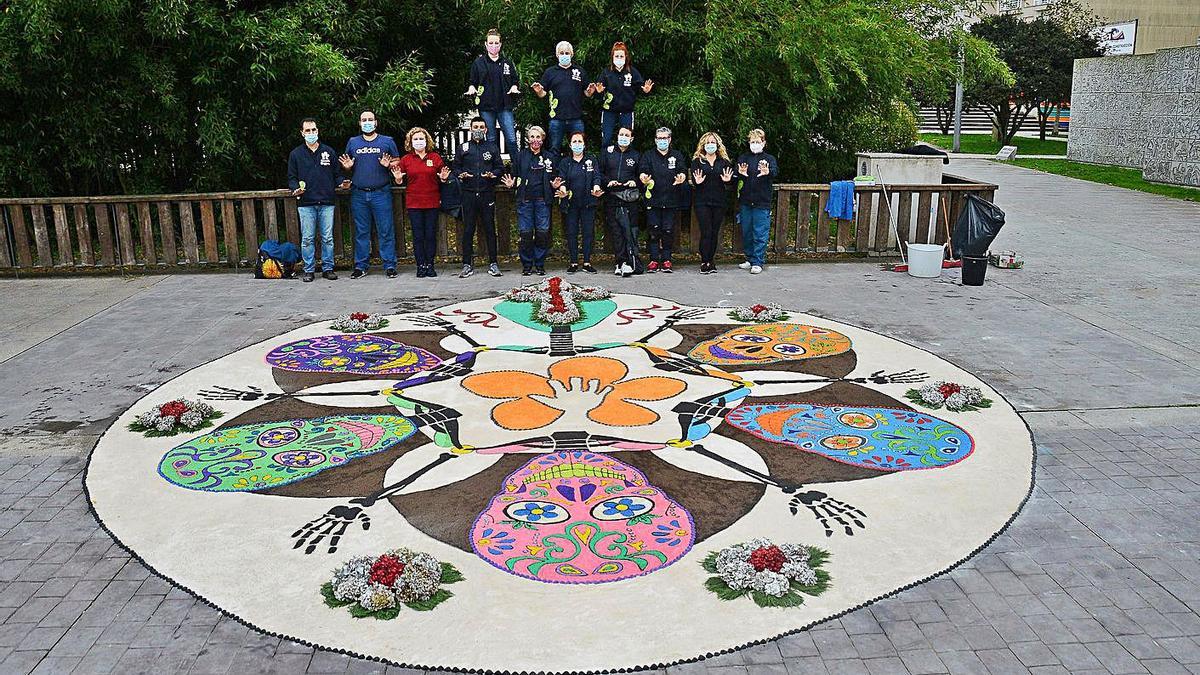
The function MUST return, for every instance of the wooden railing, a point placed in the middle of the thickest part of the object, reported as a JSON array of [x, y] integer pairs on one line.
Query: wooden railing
[[156, 233]]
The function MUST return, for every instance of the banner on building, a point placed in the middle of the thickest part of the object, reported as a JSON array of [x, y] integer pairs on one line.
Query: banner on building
[[1118, 38]]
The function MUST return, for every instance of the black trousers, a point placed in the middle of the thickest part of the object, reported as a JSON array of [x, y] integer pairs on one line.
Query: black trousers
[[479, 210], [709, 219], [621, 220], [661, 223]]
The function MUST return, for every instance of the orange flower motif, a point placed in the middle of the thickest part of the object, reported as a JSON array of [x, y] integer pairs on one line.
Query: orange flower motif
[[534, 401]]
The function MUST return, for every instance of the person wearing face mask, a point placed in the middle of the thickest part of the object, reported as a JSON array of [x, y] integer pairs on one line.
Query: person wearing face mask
[[495, 84], [312, 178], [621, 84], [618, 164], [564, 84], [535, 183], [368, 159], [478, 166], [662, 171], [580, 173], [755, 173], [422, 170], [712, 178]]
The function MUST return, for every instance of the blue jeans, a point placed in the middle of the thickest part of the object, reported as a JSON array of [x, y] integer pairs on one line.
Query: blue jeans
[[533, 224], [609, 123], [561, 128], [756, 227], [367, 207], [580, 219], [507, 127], [310, 216], [424, 233]]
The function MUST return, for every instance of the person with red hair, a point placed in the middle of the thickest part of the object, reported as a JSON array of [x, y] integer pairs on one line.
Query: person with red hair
[[620, 84]]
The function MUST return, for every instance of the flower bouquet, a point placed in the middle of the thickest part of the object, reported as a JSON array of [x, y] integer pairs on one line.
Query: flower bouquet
[[378, 586], [953, 396], [773, 575], [175, 417], [758, 313], [358, 322], [557, 302]]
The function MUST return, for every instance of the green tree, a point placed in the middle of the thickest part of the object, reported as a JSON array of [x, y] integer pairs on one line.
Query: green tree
[[982, 71]]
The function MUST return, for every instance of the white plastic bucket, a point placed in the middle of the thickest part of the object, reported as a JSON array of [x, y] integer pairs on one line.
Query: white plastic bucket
[[925, 260]]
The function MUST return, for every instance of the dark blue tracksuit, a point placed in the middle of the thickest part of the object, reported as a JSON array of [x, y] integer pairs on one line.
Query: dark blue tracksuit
[[664, 199], [478, 194], [579, 206], [621, 217]]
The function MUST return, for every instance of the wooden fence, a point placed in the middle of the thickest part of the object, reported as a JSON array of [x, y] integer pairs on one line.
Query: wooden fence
[[157, 233]]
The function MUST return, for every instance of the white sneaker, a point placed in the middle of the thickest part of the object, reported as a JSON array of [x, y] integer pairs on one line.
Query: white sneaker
[[494, 270], [626, 270], [617, 270], [467, 271], [755, 269], [745, 265]]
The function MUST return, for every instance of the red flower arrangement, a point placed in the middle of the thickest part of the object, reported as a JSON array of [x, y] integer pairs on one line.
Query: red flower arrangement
[[757, 309], [946, 389], [172, 408], [386, 569], [360, 316], [767, 558]]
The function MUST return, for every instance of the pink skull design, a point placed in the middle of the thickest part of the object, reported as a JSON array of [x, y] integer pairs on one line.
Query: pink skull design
[[581, 518]]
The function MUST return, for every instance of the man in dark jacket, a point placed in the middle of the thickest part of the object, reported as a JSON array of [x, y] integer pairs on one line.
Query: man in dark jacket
[[566, 84], [533, 178], [756, 172], [477, 165], [663, 171], [312, 178], [495, 84]]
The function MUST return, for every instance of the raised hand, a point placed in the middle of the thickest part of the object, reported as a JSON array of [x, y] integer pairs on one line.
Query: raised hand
[[561, 193], [744, 169], [347, 162], [679, 178], [386, 160], [538, 89], [763, 167], [647, 86], [345, 184], [333, 525], [514, 89], [697, 176], [297, 192], [465, 174], [596, 191], [599, 87], [508, 181], [727, 174], [444, 174], [250, 393], [591, 89], [557, 182], [826, 508], [645, 177]]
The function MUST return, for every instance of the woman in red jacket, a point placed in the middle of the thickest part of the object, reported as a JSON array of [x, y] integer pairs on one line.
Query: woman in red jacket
[[425, 171]]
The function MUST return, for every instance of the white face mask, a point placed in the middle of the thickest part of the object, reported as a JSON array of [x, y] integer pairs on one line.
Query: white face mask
[[619, 62], [756, 147], [418, 143]]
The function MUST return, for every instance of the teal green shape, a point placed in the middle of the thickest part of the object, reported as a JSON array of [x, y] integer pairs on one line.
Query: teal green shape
[[593, 312]]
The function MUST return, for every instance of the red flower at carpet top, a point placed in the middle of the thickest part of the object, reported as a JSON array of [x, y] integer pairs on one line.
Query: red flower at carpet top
[[360, 316], [172, 409], [949, 388], [767, 558], [386, 569], [758, 309]]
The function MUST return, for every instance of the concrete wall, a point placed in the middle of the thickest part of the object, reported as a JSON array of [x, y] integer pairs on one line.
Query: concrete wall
[[1139, 111]]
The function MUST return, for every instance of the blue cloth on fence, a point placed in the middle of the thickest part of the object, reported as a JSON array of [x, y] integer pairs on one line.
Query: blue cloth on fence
[[841, 200], [284, 251]]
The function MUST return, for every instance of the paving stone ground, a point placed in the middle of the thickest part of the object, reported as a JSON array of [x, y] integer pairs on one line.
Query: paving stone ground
[[1096, 343]]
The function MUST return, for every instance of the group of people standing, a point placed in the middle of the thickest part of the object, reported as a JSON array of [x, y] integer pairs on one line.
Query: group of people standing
[[659, 182]]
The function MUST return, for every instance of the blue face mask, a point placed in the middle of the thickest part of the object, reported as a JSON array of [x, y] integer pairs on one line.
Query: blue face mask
[[623, 141], [577, 147], [310, 138], [662, 143], [564, 60], [710, 148], [368, 127]]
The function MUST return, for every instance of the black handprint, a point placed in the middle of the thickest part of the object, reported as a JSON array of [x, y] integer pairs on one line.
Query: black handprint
[[826, 508], [333, 524], [687, 314], [909, 376], [250, 393]]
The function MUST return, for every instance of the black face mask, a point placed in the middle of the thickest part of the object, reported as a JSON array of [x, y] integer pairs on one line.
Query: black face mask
[[478, 136]]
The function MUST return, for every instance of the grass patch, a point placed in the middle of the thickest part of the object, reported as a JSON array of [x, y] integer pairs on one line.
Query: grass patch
[[1109, 175], [983, 144]]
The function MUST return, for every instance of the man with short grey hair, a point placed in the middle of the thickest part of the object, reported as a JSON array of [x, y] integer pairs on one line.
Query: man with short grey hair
[[566, 84], [663, 171]]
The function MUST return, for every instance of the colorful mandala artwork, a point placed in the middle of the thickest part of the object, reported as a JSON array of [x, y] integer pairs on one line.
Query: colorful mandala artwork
[[571, 455], [357, 353]]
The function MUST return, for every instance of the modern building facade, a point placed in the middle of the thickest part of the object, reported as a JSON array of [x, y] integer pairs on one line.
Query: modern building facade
[[1161, 24]]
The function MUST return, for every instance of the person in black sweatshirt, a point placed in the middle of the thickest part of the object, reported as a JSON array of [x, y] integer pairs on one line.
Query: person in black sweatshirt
[[495, 84], [620, 84], [312, 178], [663, 172], [712, 178], [619, 163], [566, 84], [478, 166], [533, 179], [580, 172], [755, 171]]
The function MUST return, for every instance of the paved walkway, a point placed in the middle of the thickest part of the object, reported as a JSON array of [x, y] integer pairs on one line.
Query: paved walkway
[[1097, 342]]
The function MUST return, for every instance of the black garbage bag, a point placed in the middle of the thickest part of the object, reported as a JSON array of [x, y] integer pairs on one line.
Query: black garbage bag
[[977, 225]]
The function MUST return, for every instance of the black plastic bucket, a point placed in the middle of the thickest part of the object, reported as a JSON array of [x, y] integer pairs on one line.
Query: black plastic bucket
[[973, 270]]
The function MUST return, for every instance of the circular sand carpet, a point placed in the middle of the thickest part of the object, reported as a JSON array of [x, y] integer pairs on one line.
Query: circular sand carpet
[[560, 479]]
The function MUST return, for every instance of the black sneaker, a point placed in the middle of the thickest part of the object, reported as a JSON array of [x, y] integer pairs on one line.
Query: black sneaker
[[541, 271], [587, 267], [358, 274], [420, 271], [330, 275], [430, 272], [526, 271], [391, 273], [572, 268], [308, 277]]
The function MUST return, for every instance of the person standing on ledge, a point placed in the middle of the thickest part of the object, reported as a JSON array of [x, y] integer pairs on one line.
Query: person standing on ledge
[[564, 84], [313, 177], [478, 166], [663, 171], [621, 84], [495, 84], [367, 158], [756, 171]]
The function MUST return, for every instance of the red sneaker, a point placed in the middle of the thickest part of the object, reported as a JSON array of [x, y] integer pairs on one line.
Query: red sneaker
[[652, 267], [666, 266]]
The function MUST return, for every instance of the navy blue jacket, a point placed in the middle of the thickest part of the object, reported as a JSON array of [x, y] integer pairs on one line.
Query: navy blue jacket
[[478, 159], [534, 174], [565, 89], [621, 88], [492, 80], [756, 191], [713, 191], [579, 178], [619, 166], [664, 169], [318, 169]]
